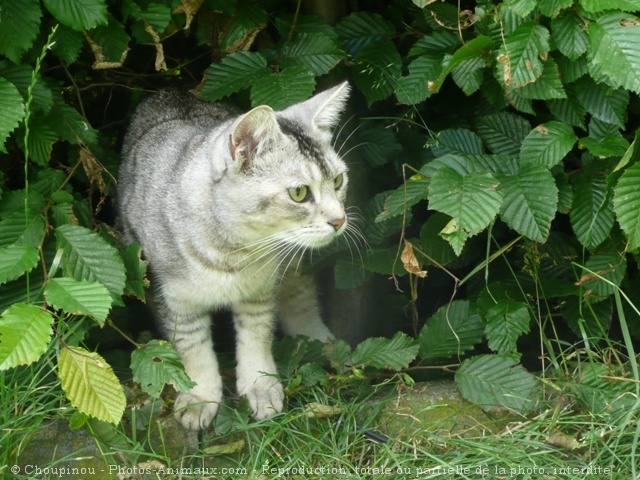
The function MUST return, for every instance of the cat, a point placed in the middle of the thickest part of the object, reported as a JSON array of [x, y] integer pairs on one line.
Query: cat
[[223, 204]]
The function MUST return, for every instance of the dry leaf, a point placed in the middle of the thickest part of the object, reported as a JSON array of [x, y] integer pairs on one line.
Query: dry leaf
[[563, 441], [410, 261], [318, 410], [189, 8]]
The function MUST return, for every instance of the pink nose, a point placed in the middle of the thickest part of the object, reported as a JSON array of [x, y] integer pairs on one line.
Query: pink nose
[[337, 223]]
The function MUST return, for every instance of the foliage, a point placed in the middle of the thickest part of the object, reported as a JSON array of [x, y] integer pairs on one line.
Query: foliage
[[500, 149]]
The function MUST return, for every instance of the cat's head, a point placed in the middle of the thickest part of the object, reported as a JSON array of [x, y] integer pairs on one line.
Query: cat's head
[[295, 183]]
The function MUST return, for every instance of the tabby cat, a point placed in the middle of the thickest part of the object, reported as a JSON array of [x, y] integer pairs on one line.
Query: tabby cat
[[224, 205]]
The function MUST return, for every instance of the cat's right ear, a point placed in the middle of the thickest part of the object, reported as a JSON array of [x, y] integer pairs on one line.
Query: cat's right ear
[[252, 132]]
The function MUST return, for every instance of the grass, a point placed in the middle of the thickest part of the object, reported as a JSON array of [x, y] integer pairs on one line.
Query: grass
[[564, 438]]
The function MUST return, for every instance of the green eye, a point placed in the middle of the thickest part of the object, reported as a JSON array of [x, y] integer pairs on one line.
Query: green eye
[[299, 194], [337, 182]]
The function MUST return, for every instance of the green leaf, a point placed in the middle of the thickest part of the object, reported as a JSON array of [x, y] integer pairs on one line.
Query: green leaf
[[414, 88], [314, 50], [415, 189], [113, 39], [435, 44], [496, 380], [551, 8], [283, 89], [377, 233], [79, 297], [503, 132], [468, 75], [547, 86], [136, 269], [611, 266], [547, 144], [25, 332], [11, 109], [67, 44], [235, 72], [479, 47], [453, 330], [361, 28], [626, 204], [246, 24], [607, 105], [379, 145], [395, 353], [22, 76], [20, 20], [78, 14], [615, 49], [20, 230], [457, 141], [90, 384], [157, 15], [41, 139], [87, 256], [530, 201], [16, 260], [592, 213], [156, 364], [595, 6], [472, 200], [385, 261], [522, 54], [72, 126], [377, 69], [568, 31], [506, 321]]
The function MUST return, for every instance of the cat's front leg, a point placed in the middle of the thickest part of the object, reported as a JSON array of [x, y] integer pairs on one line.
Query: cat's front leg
[[191, 335], [299, 310], [256, 370]]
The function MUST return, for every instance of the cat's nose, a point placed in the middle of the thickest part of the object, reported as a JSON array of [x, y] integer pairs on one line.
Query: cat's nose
[[337, 222]]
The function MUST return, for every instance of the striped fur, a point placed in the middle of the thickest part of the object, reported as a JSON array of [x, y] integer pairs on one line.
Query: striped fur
[[206, 191]]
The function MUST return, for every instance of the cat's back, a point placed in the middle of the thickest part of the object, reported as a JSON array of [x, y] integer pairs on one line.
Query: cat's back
[[172, 110]]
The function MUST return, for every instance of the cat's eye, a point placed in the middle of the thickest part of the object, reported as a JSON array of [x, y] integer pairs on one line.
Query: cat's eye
[[338, 181], [300, 194]]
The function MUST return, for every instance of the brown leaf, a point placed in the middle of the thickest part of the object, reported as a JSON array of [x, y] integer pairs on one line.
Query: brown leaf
[[410, 261]]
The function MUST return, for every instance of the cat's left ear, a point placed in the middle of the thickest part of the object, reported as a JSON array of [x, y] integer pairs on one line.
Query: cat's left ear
[[323, 109]]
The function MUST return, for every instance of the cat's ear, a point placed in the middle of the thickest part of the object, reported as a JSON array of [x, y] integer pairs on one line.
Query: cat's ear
[[329, 105], [252, 132]]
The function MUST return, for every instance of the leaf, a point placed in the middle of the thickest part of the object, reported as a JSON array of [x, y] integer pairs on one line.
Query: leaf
[[20, 230], [11, 108], [79, 297], [20, 20], [496, 380], [16, 260], [379, 145], [547, 144], [547, 86], [283, 89], [453, 330], [41, 139], [473, 199], [568, 31], [67, 44], [594, 6], [157, 15], [377, 69], [415, 189], [314, 50], [113, 42], [468, 75], [410, 262], [136, 269], [156, 364], [22, 77], [90, 384], [530, 201], [362, 28], [522, 55], [503, 132], [457, 141], [478, 47], [235, 72], [626, 204], [592, 214], [25, 332], [506, 321], [247, 23], [607, 105], [395, 353], [78, 14], [611, 266], [414, 87], [615, 49], [87, 256], [551, 8]]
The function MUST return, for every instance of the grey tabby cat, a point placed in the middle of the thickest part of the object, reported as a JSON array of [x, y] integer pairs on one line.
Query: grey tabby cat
[[223, 204]]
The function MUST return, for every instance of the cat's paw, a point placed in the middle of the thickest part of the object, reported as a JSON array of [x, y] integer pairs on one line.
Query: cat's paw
[[194, 411], [266, 397]]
